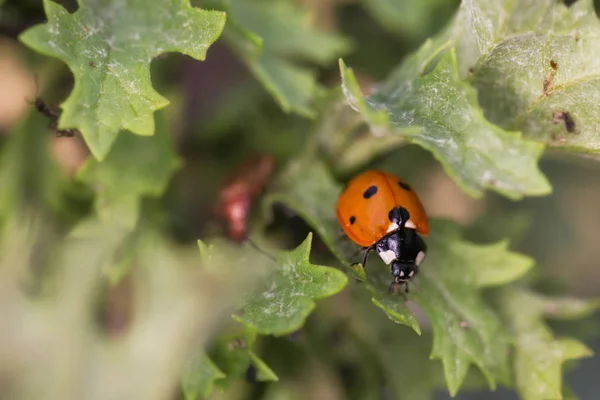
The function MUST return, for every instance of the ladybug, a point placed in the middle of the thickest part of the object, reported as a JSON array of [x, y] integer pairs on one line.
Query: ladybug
[[380, 211]]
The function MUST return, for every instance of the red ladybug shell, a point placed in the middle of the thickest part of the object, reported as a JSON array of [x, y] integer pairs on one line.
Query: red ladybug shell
[[364, 206]]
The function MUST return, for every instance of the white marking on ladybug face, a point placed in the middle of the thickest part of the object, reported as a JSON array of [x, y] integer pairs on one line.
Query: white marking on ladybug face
[[401, 274], [387, 256], [419, 258], [412, 273], [394, 226]]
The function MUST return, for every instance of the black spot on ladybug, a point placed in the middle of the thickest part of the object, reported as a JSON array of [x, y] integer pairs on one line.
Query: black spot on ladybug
[[567, 118], [398, 214], [352, 220], [370, 192], [405, 186]]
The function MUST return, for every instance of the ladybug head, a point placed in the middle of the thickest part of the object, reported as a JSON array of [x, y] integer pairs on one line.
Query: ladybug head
[[403, 271]]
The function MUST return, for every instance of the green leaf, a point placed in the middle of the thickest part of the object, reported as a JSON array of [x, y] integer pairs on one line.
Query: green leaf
[[136, 167], [108, 46], [542, 60], [199, 378], [466, 329], [475, 153], [233, 355], [538, 354], [501, 265], [569, 308], [409, 19], [289, 293], [404, 357], [27, 183], [273, 39]]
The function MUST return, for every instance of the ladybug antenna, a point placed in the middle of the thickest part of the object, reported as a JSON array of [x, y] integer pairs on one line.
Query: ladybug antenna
[[251, 243]]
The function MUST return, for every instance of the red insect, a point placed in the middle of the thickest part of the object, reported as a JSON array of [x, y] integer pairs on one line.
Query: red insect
[[380, 211], [239, 192]]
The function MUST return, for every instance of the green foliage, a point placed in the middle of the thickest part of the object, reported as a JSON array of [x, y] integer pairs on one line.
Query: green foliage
[[268, 36], [486, 91], [538, 354], [108, 46], [199, 378], [120, 185], [418, 18], [40, 183], [477, 154], [232, 352], [233, 357], [290, 292], [542, 60]]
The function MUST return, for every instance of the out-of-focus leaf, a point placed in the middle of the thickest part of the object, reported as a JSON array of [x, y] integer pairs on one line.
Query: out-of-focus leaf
[[569, 308], [343, 137], [412, 20], [538, 354], [531, 63], [289, 293], [136, 167], [475, 153], [466, 329], [28, 175], [233, 354], [199, 378], [108, 46], [271, 37]]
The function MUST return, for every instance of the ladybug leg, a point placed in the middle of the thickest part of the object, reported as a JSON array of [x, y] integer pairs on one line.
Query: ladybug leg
[[364, 262], [394, 287], [357, 252]]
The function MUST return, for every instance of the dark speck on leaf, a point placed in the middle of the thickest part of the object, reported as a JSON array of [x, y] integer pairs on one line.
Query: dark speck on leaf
[[251, 374], [92, 65], [549, 78], [237, 343], [295, 336], [566, 118]]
